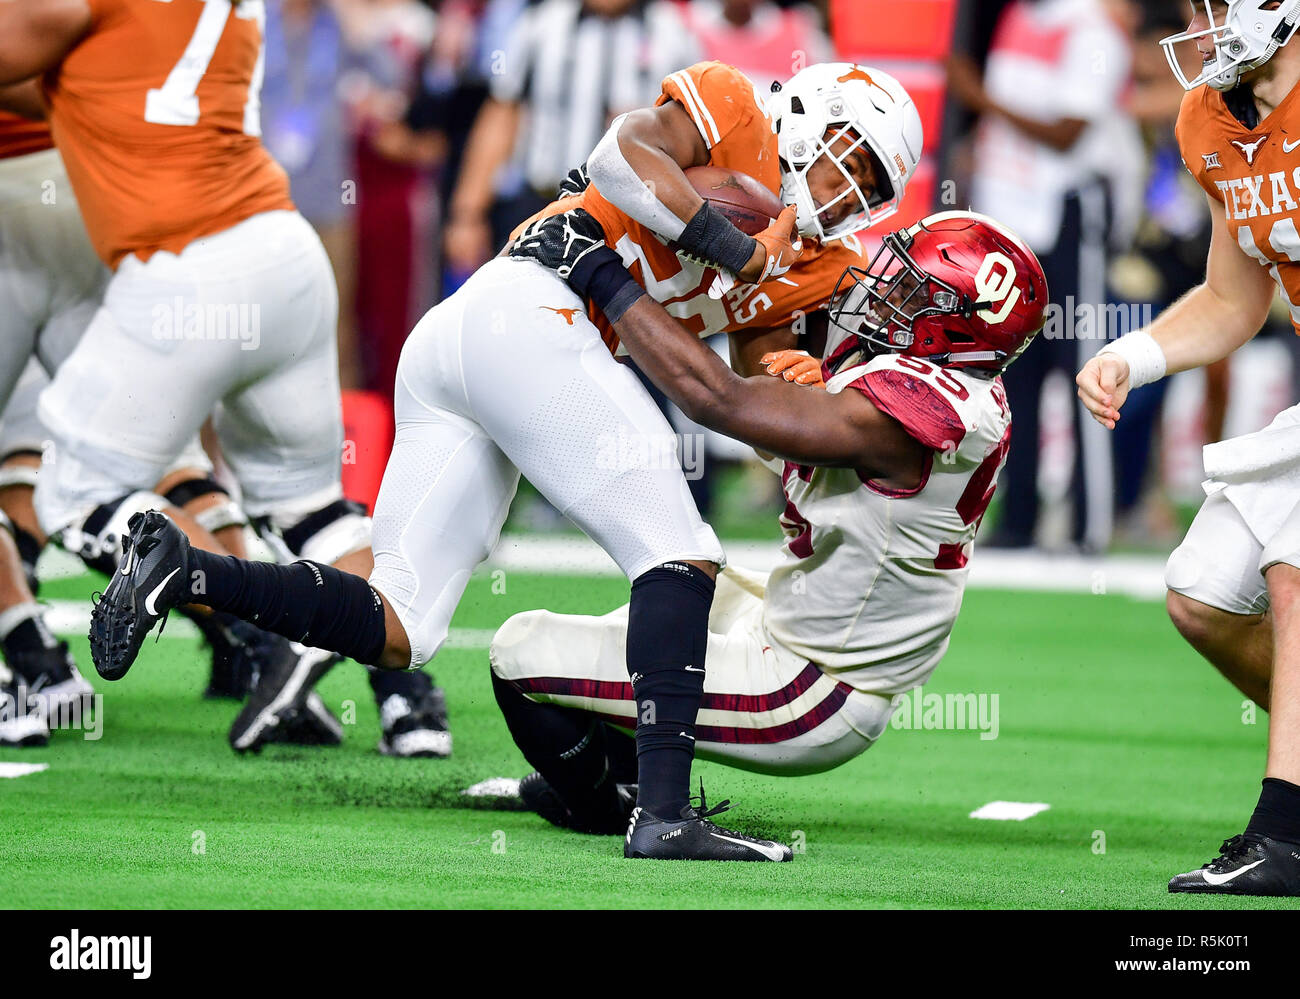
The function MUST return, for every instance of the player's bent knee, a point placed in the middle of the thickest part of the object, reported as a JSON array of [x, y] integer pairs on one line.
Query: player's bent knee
[[1200, 624], [1283, 585], [509, 645], [219, 510]]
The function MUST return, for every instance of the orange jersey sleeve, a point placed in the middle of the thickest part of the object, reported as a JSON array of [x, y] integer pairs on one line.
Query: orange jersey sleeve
[[156, 114], [20, 136], [1254, 175]]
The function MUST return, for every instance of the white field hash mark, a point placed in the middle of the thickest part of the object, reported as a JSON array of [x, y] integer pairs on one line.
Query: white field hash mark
[[21, 769], [1016, 811]]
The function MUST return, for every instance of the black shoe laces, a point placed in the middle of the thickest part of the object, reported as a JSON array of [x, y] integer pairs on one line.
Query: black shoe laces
[[702, 811], [1230, 851]]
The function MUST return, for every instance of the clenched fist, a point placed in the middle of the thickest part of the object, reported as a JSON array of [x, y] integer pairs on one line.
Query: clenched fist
[[1103, 387]]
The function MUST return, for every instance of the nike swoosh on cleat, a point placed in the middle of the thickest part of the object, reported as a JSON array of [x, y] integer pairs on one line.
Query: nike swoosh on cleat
[[149, 601], [1222, 879], [770, 852]]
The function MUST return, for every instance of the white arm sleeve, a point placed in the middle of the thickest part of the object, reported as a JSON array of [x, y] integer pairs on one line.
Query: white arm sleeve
[[625, 190]]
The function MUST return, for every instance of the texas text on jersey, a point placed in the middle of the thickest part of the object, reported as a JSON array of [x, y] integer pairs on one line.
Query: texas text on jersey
[[1255, 174]]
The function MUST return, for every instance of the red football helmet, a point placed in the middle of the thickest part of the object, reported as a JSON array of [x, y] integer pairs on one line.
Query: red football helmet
[[957, 288]]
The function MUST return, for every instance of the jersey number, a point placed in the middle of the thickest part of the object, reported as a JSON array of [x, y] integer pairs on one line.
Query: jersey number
[[1282, 239], [176, 102], [977, 495]]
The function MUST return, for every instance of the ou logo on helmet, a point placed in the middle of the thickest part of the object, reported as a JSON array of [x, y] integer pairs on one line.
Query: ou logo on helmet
[[996, 286]]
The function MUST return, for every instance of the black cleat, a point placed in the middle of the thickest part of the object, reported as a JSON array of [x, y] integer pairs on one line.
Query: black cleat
[[280, 697], [540, 797], [238, 650], [694, 837], [416, 729], [20, 727], [51, 679], [152, 578], [313, 724], [1246, 865]]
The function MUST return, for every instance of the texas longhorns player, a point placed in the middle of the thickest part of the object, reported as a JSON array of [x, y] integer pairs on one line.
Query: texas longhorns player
[[1234, 583], [51, 284], [510, 375], [887, 475], [221, 301]]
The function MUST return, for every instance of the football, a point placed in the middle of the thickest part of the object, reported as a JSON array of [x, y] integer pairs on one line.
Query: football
[[746, 203]]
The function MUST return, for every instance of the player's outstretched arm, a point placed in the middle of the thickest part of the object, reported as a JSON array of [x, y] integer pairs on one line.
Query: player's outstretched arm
[[1205, 325], [35, 35], [801, 425]]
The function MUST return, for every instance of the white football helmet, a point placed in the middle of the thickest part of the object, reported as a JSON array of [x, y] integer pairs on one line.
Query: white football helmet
[[1244, 39], [820, 105]]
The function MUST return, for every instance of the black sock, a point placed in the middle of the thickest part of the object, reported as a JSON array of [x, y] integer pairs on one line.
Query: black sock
[[567, 748], [667, 637], [314, 604], [411, 684], [29, 550], [30, 635], [1277, 815], [620, 748]]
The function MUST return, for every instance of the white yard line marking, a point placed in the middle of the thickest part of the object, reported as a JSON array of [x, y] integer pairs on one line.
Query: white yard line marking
[[493, 787], [1015, 811], [21, 769]]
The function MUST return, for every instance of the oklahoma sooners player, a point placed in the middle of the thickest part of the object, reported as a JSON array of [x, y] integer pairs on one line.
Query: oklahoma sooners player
[[887, 475], [509, 374], [222, 300], [1234, 583]]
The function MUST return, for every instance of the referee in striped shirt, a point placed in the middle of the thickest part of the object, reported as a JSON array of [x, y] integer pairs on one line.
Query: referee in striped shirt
[[569, 68]]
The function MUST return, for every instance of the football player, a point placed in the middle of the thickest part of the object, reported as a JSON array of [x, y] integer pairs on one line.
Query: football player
[[1238, 128], [510, 375], [221, 301], [51, 284], [887, 474]]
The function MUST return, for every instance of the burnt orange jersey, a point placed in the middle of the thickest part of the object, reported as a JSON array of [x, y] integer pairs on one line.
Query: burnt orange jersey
[[20, 136], [1255, 175], [156, 114], [730, 114]]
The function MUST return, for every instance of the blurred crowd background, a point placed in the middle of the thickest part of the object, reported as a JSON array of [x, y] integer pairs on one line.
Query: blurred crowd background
[[418, 133]]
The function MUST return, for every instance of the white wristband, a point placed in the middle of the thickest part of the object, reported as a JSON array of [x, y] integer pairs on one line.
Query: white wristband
[[1146, 361]]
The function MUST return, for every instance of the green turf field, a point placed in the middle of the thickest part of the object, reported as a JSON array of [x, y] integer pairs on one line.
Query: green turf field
[[1103, 714]]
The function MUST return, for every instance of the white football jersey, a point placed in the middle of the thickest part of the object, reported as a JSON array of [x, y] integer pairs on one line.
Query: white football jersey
[[872, 578]]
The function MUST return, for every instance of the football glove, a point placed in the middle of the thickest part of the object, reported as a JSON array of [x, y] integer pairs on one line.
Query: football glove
[[781, 245], [796, 366], [575, 182], [560, 242]]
